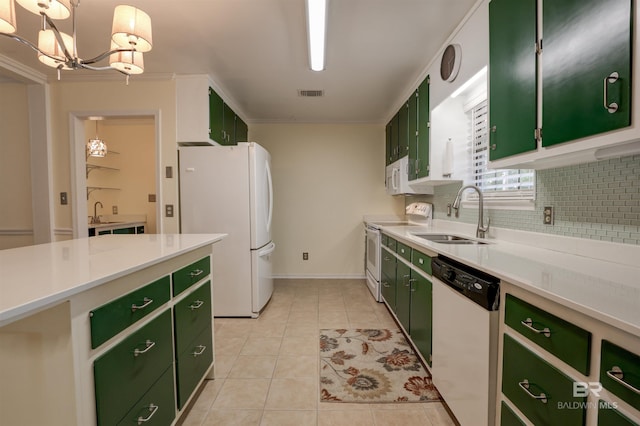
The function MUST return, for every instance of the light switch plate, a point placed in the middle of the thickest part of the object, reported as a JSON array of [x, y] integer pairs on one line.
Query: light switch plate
[[114, 209], [63, 198], [168, 210]]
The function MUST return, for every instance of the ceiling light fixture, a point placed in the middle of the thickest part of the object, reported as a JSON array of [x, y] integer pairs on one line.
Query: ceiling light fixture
[[316, 32], [96, 147], [130, 36]]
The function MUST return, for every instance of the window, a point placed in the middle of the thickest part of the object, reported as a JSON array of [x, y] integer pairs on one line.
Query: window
[[508, 188]]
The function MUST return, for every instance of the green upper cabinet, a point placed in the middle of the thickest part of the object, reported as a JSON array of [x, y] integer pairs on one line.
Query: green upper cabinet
[[583, 53], [395, 125], [228, 125], [423, 124], [403, 130], [586, 78], [241, 131], [412, 134], [216, 124], [388, 149], [512, 77]]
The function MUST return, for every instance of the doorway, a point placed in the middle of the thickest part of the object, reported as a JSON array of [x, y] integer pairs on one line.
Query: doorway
[[123, 186]]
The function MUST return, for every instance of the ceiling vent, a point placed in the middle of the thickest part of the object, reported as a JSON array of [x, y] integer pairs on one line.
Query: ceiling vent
[[311, 93]]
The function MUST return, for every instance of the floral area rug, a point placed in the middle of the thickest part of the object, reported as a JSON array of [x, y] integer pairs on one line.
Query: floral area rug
[[371, 366]]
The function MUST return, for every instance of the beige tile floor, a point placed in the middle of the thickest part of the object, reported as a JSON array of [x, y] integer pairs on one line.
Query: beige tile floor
[[267, 368]]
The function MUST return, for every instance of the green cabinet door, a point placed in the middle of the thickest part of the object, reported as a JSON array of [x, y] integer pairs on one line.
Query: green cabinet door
[[215, 116], [585, 41], [413, 135], [388, 151], [395, 123], [422, 128], [421, 314], [388, 278], [242, 131], [403, 130], [228, 125], [403, 294], [512, 77]]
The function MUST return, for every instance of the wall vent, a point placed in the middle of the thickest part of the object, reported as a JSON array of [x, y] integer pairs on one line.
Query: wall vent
[[311, 93]]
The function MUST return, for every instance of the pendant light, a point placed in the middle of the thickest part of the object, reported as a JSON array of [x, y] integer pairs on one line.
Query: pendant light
[[96, 147]]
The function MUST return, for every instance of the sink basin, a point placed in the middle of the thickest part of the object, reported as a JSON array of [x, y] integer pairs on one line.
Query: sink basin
[[448, 239]]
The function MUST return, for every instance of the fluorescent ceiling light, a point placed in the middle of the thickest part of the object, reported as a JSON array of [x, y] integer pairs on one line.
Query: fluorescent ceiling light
[[480, 74], [316, 29]]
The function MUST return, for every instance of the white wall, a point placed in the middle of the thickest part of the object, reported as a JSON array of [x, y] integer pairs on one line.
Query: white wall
[[112, 97], [326, 177], [16, 219]]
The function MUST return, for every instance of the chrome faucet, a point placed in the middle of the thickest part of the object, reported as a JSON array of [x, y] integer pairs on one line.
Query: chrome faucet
[[481, 230], [95, 218]]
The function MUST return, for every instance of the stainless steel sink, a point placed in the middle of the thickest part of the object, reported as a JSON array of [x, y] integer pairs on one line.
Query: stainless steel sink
[[448, 239]]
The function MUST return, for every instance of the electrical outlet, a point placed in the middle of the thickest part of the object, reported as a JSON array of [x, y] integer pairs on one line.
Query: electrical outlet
[[114, 209], [547, 216], [168, 210], [305, 256], [63, 198], [168, 172]]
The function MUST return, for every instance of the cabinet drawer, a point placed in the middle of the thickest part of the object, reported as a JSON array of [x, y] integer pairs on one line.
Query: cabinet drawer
[[566, 341], [540, 391], [157, 407], [624, 381], [508, 417], [384, 239], [113, 317], [388, 266], [130, 230], [189, 275], [128, 370], [611, 417], [421, 261], [192, 315], [404, 251], [192, 364], [391, 243]]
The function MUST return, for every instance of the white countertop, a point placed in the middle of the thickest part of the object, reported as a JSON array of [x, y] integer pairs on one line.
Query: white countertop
[[607, 291], [35, 277]]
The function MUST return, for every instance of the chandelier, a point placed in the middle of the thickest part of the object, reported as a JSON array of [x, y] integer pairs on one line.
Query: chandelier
[[130, 36]]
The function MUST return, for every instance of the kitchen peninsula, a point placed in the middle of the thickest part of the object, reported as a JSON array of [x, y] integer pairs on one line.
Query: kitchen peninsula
[[86, 319]]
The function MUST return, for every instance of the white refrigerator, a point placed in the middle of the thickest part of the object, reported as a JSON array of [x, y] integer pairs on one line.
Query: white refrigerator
[[228, 189]]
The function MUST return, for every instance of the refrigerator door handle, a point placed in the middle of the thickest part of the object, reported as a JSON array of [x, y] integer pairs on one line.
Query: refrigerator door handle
[[267, 250], [270, 195]]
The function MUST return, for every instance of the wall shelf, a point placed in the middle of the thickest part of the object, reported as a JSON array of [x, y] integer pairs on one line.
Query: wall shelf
[[91, 167], [90, 189]]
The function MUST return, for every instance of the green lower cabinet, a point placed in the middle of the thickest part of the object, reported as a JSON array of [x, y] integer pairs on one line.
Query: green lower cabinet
[[189, 275], [540, 391], [192, 364], [423, 125], [130, 230], [620, 373], [608, 416], [403, 294], [157, 407], [421, 314], [129, 369], [388, 289], [508, 417], [192, 315]]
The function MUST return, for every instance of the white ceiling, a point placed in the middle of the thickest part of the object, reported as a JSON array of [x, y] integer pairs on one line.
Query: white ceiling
[[256, 51]]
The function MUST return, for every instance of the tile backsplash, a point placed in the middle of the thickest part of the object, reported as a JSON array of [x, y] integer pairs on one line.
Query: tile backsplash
[[599, 201]]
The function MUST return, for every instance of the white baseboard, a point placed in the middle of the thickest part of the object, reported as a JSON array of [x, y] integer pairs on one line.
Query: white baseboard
[[320, 277]]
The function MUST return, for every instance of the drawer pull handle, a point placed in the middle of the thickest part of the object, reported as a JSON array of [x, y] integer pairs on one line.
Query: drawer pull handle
[[610, 79], [148, 345], [146, 303], [152, 410], [200, 351], [387, 258], [196, 273], [617, 374], [196, 305], [525, 386], [529, 324], [385, 284]]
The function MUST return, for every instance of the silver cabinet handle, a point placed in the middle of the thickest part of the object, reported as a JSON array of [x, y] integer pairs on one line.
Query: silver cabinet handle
[[200, 351], [385, 284], [529, 324], [152, 410], [196, 305], [196, 273], [610, 79], [148, 345], [387, 258], [146, 303], [617, 374], [524, 385], [411, 281]]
